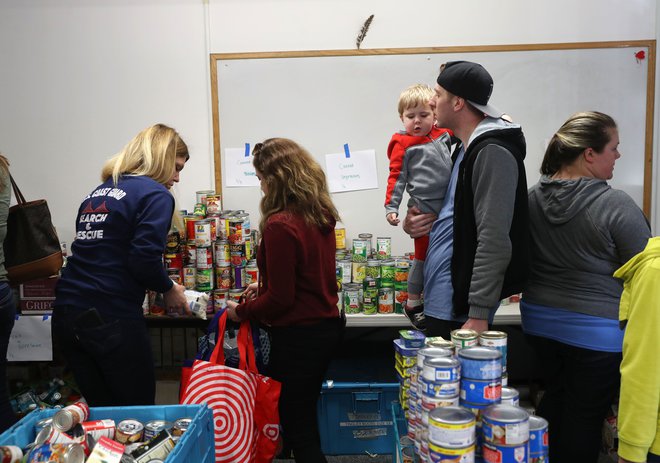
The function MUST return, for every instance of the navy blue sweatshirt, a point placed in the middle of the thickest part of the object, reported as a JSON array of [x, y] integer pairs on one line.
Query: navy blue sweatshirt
[[117, 254]]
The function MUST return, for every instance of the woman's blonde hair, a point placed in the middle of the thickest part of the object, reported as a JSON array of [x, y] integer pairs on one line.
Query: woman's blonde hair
[[293, 181], [151, 153]]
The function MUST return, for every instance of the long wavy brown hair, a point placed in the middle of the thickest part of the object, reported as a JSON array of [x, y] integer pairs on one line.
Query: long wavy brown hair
[[293, 182]]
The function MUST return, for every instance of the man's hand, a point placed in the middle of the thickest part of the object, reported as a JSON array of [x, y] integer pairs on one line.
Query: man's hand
[[476, 324], [417, 224], [175, 299]]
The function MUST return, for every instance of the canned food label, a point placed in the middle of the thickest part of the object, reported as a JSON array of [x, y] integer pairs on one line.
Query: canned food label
[[452, 435], [503, 454]]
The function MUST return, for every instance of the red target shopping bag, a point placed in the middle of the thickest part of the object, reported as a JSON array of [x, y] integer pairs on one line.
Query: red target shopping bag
[[244, 402]]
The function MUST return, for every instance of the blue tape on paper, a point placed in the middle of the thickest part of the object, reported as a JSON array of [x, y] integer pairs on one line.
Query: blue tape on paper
[[347, 152], [247, 150]]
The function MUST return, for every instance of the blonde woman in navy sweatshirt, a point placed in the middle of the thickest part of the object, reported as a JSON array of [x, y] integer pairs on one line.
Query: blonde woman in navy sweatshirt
[[121, 230]]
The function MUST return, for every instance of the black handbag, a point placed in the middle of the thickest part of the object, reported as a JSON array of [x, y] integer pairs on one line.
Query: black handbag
[[32, 248]]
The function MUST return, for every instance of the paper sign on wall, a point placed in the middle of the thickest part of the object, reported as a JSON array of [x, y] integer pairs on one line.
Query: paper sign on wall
[[239, 170], [349, 171], [30, 339]]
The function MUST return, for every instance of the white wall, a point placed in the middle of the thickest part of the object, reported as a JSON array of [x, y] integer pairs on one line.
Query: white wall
[[78, 78]]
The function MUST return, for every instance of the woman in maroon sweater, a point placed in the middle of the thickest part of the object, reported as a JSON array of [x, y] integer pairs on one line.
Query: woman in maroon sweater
[[296, 296]]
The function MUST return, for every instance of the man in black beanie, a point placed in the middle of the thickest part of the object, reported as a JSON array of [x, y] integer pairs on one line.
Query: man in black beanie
[[478, 245]]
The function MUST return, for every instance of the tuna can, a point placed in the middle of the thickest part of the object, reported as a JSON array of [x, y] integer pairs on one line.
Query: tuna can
[[204, 279], [190, 221], [352, 299], [346, 270], [11, 454], [223, 277], [203, 237], [213, 204], [360, 250], [70, 416], [480, 392], [505, 454], [219, 299], [238, 274], [251, 273], [358, 272], [189, 277], [538, 439], [180, 426], [480, 363], [451, 427], [204, 257], [383, 247], [505, 425], [201, 195], [57, 453], [431, 403], [464, 338], [222, 255], [438, 389], [235, 235], [386, 299], [429, 352], [441, 369], [439, 454], [510, 396], [496, 340], [387, 269], [400, 296], [372, 270], [129, 431], [153, 427], [237, 254]]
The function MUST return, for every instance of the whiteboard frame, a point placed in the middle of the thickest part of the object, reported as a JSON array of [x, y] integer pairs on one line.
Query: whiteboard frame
[[217, 58]]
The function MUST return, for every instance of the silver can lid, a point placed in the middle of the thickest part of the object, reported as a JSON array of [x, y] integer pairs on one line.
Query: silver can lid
[[505, 414], [441, 362], [480, 353], [537, 423], [74, 454], [63, 420], [451, 415]]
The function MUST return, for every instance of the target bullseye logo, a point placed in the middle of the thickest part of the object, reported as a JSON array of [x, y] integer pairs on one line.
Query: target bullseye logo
[[231, 395]]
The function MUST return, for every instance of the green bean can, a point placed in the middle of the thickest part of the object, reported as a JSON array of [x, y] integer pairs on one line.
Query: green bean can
[[370, 300], [387, 269], [352, 299], [373, 269]]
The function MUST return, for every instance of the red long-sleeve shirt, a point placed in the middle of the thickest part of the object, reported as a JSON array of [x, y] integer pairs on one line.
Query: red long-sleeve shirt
[[297, 282]]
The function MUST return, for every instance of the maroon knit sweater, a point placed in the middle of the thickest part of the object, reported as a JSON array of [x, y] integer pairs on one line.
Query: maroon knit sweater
[[297, 282]]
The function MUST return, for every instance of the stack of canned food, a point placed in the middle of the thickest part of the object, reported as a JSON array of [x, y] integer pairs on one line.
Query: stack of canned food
[[68, 437], [215, 253], [456, 404], [369, 279]]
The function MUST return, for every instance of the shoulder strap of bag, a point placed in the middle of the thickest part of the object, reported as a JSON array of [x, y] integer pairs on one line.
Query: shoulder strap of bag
[[218, 355], [20, 199], [246, 355]]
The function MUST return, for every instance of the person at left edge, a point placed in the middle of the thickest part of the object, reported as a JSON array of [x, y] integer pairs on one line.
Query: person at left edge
[[297, 292], [121, 231]]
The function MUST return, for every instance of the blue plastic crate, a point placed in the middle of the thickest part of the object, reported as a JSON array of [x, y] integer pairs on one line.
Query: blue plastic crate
[[356, 418], [197, 444]]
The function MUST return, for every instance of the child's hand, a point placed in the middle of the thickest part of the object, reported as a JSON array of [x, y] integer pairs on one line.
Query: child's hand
[[393, 218]]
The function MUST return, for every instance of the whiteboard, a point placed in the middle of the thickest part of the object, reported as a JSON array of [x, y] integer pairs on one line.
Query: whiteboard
[[326, 99]]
